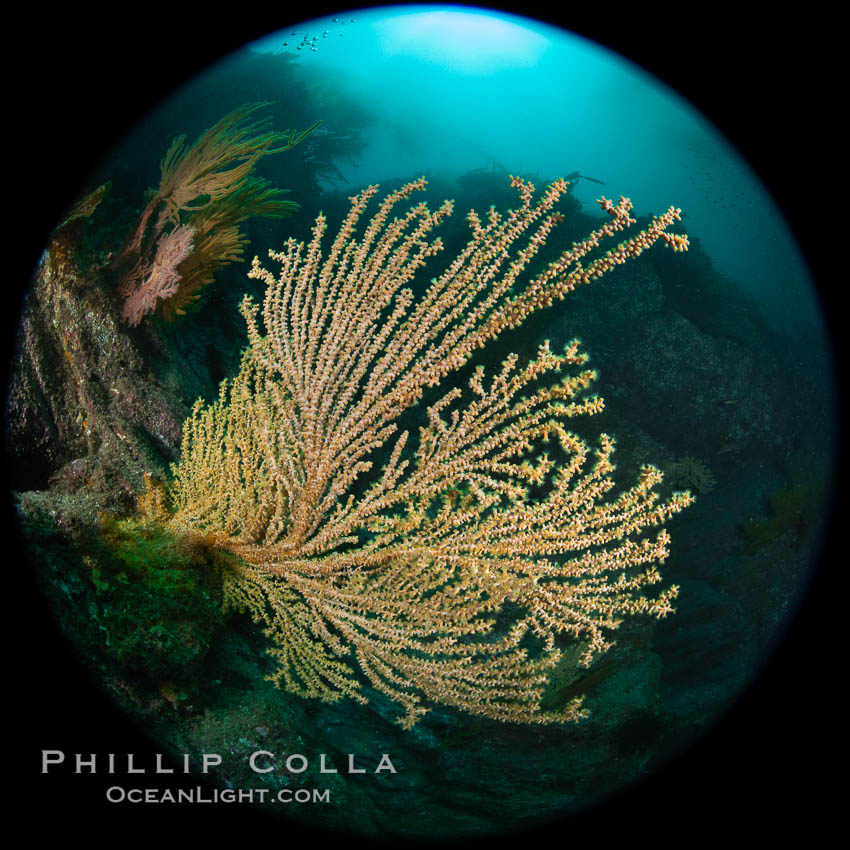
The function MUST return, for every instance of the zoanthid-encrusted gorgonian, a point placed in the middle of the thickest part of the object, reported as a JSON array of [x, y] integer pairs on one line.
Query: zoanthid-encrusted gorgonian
[[458, 570]]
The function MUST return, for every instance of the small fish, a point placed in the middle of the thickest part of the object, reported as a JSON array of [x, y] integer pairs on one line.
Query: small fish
[[575, 176]]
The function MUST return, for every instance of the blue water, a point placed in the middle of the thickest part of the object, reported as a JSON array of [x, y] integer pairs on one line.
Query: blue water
[[448, 89]]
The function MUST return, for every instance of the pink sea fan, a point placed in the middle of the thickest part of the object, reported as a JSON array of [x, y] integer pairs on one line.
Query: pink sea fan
[[161, 279]]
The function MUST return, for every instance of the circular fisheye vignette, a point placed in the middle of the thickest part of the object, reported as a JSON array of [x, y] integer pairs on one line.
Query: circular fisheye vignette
[[132, 531]]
